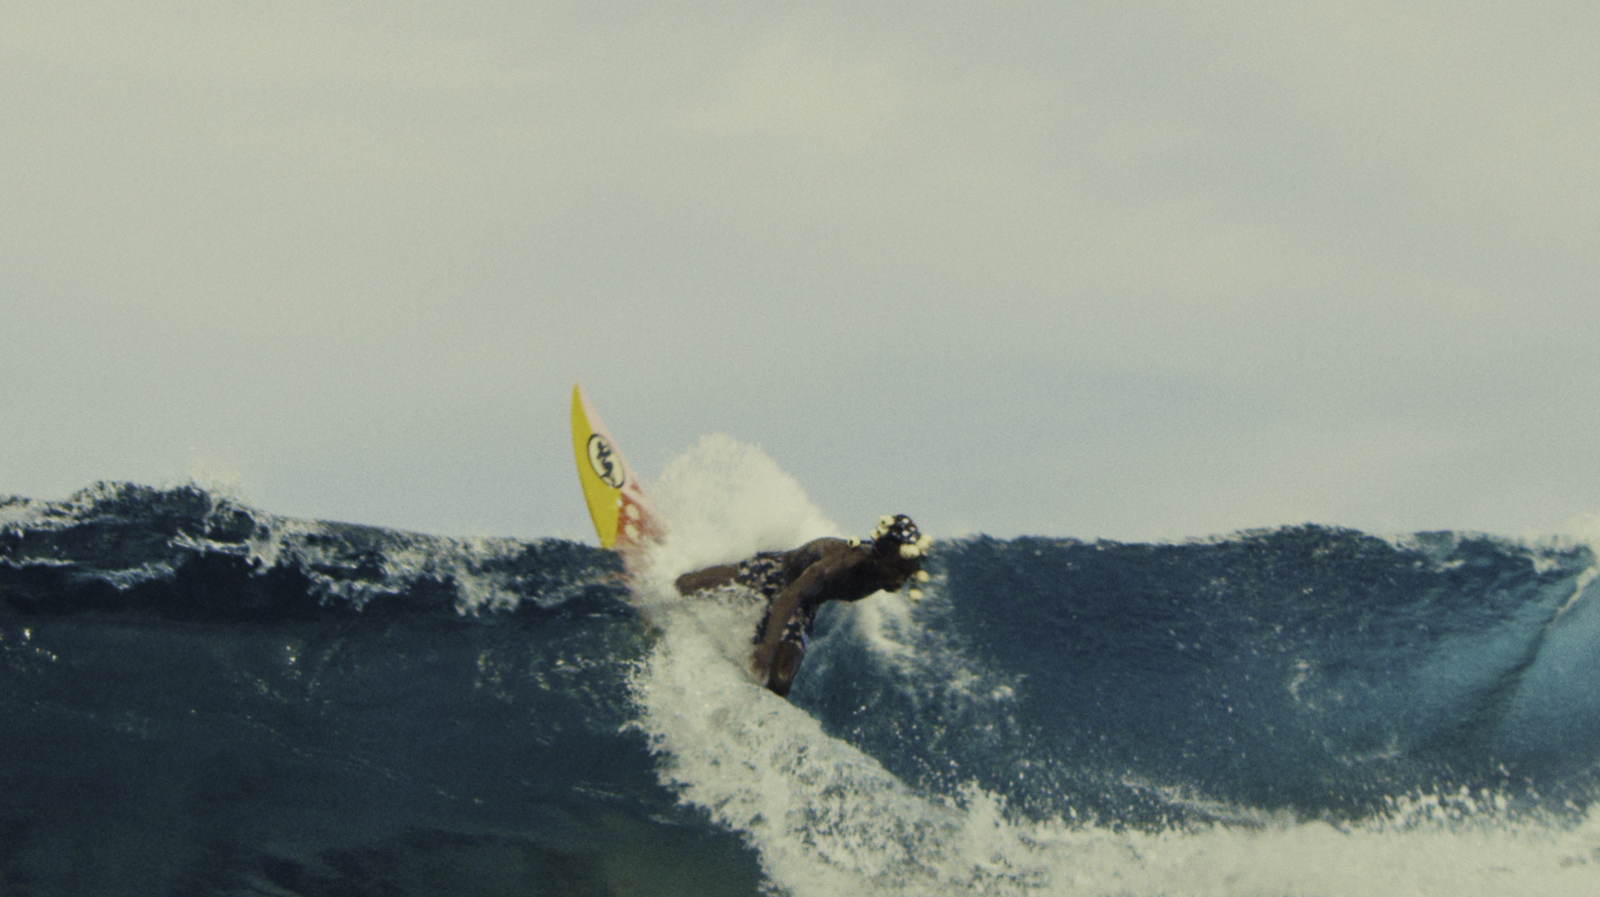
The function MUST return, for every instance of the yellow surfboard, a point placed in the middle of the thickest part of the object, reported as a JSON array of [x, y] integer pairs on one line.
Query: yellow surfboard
[[622, 517]]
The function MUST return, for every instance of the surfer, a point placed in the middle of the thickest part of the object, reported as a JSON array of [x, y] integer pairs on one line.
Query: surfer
[[798, 582]]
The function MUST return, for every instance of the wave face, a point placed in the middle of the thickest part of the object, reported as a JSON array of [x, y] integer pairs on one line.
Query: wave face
[[201, 697], [1309, 671]]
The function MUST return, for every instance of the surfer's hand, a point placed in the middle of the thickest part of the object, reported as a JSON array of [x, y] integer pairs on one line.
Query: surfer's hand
[[761, 660]]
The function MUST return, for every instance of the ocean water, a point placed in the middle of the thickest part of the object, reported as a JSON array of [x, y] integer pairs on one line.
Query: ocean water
[[201, 697]]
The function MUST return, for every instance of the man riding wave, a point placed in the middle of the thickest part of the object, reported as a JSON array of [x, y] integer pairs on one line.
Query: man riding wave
[[798, 582]]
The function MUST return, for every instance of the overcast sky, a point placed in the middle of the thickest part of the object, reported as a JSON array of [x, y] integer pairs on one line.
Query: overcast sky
[[1103, 269]]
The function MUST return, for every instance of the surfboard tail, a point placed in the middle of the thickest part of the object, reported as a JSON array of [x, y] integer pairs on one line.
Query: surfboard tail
[[623, 518]]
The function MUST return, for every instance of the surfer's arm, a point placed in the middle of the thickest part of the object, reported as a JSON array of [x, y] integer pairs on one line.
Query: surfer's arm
[[784, 605], [785, 664]]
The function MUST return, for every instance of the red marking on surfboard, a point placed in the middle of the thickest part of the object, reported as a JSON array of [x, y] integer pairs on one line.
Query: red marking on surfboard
[[636, 523]]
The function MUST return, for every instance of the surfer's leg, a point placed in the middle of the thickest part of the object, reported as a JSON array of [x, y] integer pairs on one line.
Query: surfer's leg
[[709, 578]]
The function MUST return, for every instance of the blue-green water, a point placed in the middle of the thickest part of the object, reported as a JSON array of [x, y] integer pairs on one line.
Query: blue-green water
[[198, 697]]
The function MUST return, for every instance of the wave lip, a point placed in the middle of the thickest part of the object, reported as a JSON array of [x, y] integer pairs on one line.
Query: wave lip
[[188, 553]]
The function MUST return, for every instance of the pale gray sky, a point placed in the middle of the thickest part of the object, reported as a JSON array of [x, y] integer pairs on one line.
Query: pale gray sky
[[1095, 269]]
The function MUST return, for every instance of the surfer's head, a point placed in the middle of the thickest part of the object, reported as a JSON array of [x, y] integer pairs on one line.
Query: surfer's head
[[898, 535], [899, 548]]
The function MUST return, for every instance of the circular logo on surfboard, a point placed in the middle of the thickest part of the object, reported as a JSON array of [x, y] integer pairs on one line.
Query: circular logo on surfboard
[[607, 466]]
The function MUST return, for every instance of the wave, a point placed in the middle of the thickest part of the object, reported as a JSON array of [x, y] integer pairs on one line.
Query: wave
[[1308, 670], [222, 700]]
